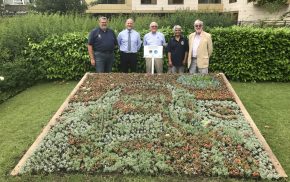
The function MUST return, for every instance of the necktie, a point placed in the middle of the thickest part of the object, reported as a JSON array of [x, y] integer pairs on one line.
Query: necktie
[[129, 40]]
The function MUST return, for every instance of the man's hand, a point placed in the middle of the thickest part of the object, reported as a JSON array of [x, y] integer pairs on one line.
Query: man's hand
[[93, 62], [184, 62]]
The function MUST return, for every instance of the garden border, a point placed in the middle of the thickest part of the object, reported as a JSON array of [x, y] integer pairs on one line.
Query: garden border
[[46, 129], [256, 130], [247, 116]]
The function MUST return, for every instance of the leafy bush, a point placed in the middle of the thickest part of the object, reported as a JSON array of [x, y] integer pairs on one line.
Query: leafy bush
[[60, 57], [15, 31], [271, 5], [66, 57], [62, 6], [252, 54], [242, 53], [18, 75]]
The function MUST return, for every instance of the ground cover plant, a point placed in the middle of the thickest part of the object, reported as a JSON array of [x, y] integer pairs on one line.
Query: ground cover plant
[[154, 125]]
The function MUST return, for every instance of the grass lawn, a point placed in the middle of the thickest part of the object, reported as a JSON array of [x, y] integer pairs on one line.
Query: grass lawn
[[22, 117]]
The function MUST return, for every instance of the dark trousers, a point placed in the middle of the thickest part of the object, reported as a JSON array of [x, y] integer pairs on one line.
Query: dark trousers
[[104, 61], [128, 61]]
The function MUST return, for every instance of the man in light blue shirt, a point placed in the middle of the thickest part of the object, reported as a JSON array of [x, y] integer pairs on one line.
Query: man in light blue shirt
[[154, 38], [129, 43]]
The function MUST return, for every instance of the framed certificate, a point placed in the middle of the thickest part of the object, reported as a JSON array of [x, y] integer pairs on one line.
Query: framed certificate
[[153, 51]]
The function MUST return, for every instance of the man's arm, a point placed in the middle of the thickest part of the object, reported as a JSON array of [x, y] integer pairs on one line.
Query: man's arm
[[163, 41], [91, 54], [169, 59], [139, 42], [186, 50], [115, 39], [119, 39], [210, 47], [145, 40], [185, 58], [169, 54]]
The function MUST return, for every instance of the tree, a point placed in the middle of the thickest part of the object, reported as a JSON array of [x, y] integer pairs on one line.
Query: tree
[[61, 6], [271, 5]]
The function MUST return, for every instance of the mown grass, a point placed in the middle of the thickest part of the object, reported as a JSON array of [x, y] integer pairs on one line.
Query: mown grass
[[269, 106], [22, 117]]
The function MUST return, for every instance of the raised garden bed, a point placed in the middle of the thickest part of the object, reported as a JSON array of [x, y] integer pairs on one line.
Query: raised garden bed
[[143, 124]]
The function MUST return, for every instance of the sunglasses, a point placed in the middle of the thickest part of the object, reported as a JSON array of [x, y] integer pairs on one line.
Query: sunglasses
[[198, 25], [154, 26]]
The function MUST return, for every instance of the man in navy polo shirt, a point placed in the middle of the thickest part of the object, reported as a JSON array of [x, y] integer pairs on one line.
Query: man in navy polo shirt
[[101, 44], [177, 51]]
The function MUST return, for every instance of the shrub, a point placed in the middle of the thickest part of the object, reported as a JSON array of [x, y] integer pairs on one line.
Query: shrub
[[60, 57], [18, 75], [66, 57], [15, 31], [252, 54], [242, 53]]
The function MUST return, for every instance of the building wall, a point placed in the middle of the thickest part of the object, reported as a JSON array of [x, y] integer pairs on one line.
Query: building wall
[[162, 5], [8, 2], [12, 2], [246, 11], [110, 8], [250, 12]]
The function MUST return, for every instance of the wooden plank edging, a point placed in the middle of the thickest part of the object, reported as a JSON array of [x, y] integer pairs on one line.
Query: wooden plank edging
[[53, 121], [46, 129], [257, 132]]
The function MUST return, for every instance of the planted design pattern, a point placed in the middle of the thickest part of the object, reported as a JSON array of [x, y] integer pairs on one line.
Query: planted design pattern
[[166, 124]]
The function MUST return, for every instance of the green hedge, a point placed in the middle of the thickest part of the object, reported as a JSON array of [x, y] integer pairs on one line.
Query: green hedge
[[60, 57], [66, 57], [18, 75], [242, 53], [252, 54], [17, 30]]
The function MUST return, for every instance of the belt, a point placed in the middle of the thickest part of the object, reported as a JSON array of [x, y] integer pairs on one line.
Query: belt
[[128, 52], [105, 52]]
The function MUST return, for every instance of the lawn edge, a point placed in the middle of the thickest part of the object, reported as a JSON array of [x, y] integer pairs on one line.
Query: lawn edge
[[256, 130], [247, 116], [46, 129]]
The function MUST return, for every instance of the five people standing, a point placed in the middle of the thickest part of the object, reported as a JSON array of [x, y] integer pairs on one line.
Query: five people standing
[[194, 51]]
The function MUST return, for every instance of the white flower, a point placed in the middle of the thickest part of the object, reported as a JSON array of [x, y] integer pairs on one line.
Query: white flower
[[1, 78]]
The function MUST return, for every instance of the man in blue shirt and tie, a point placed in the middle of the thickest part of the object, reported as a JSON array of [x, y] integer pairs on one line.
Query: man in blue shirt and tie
[[154, 38], [129, 43]]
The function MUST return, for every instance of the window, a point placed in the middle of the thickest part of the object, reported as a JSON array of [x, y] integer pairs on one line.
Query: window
[[209, 1], [175, 1], [18, 2], [232, 1], [111, 1], [148, 1]]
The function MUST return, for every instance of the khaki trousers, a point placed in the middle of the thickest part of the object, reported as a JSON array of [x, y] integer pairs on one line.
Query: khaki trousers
[[158, 65]]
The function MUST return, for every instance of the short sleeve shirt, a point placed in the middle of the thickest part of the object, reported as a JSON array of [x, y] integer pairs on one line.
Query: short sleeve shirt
[[154, 39], [102, 40], [177, 50]]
